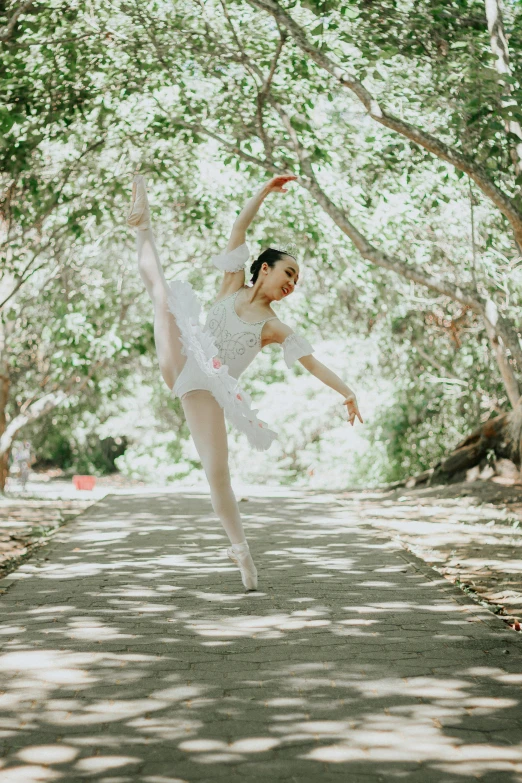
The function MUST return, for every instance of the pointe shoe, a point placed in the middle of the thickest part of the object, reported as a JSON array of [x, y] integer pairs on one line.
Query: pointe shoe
[[241, 556], [139, 214]]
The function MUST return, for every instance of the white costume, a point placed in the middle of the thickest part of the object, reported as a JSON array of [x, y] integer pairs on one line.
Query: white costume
[[218, 352]]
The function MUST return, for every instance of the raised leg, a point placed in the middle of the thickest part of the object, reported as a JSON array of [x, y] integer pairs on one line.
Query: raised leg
[[166, 332]]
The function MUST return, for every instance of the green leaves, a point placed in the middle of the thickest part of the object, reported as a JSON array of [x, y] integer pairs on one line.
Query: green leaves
[[206, 102]]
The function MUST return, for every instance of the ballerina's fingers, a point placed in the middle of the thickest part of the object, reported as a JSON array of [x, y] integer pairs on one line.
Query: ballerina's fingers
[[277, 183], [353, 410], [285, 181]]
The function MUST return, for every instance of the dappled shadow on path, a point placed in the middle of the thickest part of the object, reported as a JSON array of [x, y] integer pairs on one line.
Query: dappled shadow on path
[[478, 545], [132, 654]]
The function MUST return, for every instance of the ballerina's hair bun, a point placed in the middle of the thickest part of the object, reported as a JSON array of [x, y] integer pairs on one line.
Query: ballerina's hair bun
[[269, 256]]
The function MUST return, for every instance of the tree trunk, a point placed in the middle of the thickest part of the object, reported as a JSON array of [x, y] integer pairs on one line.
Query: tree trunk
[[499, 47], [4, 458], [500, 437], [506, 370]]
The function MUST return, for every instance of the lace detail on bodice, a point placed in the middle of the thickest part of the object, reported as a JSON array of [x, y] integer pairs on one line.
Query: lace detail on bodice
[[231, 345], [238, 341]]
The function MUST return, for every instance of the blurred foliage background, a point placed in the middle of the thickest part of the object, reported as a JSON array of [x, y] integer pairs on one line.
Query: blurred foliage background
[[401, 121]]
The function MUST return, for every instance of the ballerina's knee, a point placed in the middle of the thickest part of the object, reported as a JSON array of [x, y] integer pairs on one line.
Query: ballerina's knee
[[218, 475]]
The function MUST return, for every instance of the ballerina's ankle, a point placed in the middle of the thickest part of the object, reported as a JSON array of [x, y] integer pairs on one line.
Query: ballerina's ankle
[[241, 549]]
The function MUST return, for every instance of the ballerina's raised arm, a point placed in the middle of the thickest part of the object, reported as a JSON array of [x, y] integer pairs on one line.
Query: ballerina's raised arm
[[232, 261]]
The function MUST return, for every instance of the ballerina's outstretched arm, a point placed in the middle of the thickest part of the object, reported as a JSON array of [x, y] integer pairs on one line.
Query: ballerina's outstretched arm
[[296, 347], [232, 261]]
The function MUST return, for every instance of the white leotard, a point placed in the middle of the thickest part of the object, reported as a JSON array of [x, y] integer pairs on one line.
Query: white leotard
[[238, 342]]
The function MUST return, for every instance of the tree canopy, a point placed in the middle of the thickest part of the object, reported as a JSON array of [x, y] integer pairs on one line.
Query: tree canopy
[[402, 124]]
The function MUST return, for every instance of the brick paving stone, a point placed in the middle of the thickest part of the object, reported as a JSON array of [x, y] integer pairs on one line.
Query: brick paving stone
[[129, 652]]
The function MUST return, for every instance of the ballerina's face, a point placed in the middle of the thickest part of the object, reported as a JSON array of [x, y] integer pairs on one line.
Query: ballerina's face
[[281, 279]]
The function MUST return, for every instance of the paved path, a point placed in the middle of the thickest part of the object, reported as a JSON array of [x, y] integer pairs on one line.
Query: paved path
[[130, 653]]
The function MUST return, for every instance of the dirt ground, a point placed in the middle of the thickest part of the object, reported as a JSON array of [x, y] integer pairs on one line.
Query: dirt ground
[[26, 524], [470, 532], [27, 521]]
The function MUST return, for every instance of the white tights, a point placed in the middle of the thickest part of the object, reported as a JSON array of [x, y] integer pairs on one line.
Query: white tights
[[206, 422], [205, 417]]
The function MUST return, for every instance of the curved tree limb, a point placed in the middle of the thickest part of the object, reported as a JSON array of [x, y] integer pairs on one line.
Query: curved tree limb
[[424, 139], [501, 328], [9, 28], [363, 245], [307, 179], [35, 410], [498, 327]]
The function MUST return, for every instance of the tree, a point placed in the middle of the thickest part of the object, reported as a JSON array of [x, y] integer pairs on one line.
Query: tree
[[56, 121]]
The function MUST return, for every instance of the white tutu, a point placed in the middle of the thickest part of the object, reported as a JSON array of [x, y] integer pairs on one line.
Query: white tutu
[[199, 344]]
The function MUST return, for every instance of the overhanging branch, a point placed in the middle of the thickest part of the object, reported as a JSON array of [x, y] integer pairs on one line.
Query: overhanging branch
[[9, 28], [426, 140]]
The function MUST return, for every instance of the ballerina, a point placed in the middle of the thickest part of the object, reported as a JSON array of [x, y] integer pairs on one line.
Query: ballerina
[[201, 365]]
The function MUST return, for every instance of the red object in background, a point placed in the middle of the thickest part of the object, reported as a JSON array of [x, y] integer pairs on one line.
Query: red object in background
[[84, 482]]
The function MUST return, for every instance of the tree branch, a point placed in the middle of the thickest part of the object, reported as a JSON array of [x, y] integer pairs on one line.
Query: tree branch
[[424, 139], [502, 326], [9, 29], [262, 96], [198, 127], [365, 248], [28, 44], [40, 407], [23, 279], [432, 361]]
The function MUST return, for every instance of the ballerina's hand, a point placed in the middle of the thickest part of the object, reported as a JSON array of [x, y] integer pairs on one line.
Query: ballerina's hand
[[353, 410], [276, 184]]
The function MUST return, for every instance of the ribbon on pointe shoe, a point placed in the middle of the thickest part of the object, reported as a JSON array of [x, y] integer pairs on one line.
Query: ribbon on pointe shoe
[[139, 214]]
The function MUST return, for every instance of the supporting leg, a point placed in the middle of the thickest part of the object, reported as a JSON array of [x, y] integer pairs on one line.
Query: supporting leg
[[206, 422]]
